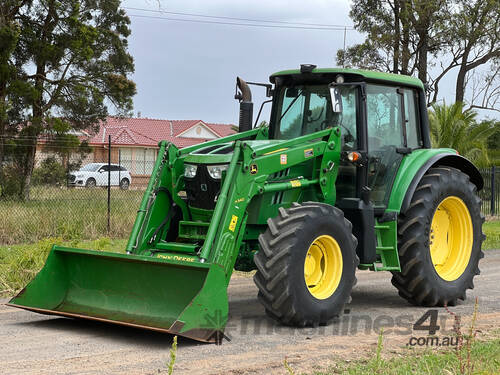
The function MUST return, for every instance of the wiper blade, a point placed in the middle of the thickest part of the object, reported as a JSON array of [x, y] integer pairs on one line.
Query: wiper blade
[[290, 105]]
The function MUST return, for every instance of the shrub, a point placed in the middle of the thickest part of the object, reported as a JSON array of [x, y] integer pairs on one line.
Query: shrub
[[50, 172]]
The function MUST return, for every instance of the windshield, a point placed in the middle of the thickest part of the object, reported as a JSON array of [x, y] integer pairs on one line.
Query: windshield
[[307, 109], [90, 167]]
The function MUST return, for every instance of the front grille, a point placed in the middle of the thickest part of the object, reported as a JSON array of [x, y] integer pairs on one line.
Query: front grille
[[202, 190]]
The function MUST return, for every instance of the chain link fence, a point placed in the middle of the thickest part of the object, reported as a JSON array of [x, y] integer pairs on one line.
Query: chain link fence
[[74, 194], [80, 194]]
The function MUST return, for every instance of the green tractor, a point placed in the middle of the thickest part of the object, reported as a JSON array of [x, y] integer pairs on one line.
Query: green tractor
[[343, 178]]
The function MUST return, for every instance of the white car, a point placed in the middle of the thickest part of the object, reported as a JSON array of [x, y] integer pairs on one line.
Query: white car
[[96, 174]]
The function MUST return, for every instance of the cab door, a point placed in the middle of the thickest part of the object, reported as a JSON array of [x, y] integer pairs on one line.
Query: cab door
[[391, 117]]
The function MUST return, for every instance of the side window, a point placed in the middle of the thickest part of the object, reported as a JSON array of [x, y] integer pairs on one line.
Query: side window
[[115, 168], [293, 109], [384, 117], [413, 136], [316, 115], [347, 119], [104, 168]]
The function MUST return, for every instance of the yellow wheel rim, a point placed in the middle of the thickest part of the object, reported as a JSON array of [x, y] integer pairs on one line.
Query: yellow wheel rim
[[323, 267], [451, 238]]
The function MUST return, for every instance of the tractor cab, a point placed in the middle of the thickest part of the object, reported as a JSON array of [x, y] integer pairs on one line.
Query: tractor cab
[[380, 122]]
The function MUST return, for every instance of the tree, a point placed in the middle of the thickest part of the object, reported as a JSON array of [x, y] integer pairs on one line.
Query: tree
[[473, 39], [400, 35], [453, 127], [409, 36], [67, 146], [12, 87], [74, 55]]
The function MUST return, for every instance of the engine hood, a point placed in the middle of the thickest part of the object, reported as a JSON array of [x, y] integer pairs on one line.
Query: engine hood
[[222, 153]]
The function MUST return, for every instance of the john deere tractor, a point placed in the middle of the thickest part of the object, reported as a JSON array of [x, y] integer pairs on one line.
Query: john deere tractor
[[343, 178]]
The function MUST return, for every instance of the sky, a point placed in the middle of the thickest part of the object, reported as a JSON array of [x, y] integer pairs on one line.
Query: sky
[[188, 70]]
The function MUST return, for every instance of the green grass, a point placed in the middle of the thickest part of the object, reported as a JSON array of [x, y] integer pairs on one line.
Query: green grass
[[484, 354], [20, 263], [67, 213], [492, 231]]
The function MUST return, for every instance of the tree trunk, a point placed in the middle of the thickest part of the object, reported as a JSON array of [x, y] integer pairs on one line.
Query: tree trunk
[[405, 45], [28, 170], [2, 131], [462, 72], [32, 132], [422, 55], [397, 37]]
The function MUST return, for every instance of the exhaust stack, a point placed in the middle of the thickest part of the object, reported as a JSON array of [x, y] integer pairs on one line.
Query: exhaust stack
[[246, 106]]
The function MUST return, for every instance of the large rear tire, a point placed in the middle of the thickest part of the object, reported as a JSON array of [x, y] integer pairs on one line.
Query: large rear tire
[[306, 264], [439, 240]]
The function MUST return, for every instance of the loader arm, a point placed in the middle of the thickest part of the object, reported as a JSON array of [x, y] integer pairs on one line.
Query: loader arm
[[247, 177]]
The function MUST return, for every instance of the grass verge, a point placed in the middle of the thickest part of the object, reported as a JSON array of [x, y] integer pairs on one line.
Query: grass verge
[[20, 263], [492, 231], [485, 354]]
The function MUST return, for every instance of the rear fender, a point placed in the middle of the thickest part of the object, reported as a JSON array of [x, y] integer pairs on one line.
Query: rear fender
[[417, 164]]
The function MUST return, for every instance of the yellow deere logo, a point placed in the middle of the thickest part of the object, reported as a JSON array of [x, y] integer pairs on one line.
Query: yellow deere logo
[[253, 169], [232, 224]]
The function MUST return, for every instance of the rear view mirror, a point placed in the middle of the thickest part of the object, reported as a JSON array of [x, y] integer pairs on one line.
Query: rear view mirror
[[336, 98]]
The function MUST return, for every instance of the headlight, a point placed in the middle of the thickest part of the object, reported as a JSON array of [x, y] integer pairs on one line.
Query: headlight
[[79, 176], [215, 171], [190, 170]]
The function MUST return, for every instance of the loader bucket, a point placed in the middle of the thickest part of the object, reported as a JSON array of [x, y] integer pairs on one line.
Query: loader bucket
[[179, 295]]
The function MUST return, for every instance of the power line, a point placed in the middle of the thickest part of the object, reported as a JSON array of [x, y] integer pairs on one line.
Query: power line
[[239, 19], [241, 24]]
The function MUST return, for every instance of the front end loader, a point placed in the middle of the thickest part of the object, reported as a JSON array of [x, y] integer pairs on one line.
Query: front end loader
[[342, 178]]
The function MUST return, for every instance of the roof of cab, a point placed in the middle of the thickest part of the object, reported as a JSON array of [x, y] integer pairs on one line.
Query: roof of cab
[[366, 74]]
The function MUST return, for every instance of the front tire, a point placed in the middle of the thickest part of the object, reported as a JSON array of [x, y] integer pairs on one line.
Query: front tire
[[439, 240], [90, 183], [306, 264], [124, 184]]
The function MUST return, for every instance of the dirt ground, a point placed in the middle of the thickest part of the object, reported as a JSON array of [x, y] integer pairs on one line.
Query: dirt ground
[[38, 344]]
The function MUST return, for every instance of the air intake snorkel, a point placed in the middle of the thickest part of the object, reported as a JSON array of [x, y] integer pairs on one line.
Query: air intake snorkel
[[246, 106]]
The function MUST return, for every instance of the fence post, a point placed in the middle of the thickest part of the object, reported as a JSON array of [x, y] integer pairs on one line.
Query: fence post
[[109, 182], [493, 190]]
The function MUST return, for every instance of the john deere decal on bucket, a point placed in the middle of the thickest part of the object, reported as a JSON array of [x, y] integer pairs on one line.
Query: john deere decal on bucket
[[342, 178]]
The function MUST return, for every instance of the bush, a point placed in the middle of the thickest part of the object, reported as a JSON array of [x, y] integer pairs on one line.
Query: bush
[[10, 181], [50, 172]]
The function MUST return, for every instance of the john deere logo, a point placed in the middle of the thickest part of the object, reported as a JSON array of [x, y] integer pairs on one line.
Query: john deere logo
[[253, 169], [203, 187]]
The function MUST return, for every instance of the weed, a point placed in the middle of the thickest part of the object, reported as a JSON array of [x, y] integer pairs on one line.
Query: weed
[[173, 356], [380, 346], [287, 367], [463, 349]]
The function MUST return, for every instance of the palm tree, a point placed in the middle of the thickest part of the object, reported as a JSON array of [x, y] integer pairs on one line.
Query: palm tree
[[455, 128]]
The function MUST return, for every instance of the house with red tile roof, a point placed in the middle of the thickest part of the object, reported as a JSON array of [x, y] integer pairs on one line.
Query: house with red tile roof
[[134, 141]]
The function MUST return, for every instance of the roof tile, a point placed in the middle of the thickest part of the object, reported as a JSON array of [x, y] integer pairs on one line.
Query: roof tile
[[148, 132]]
